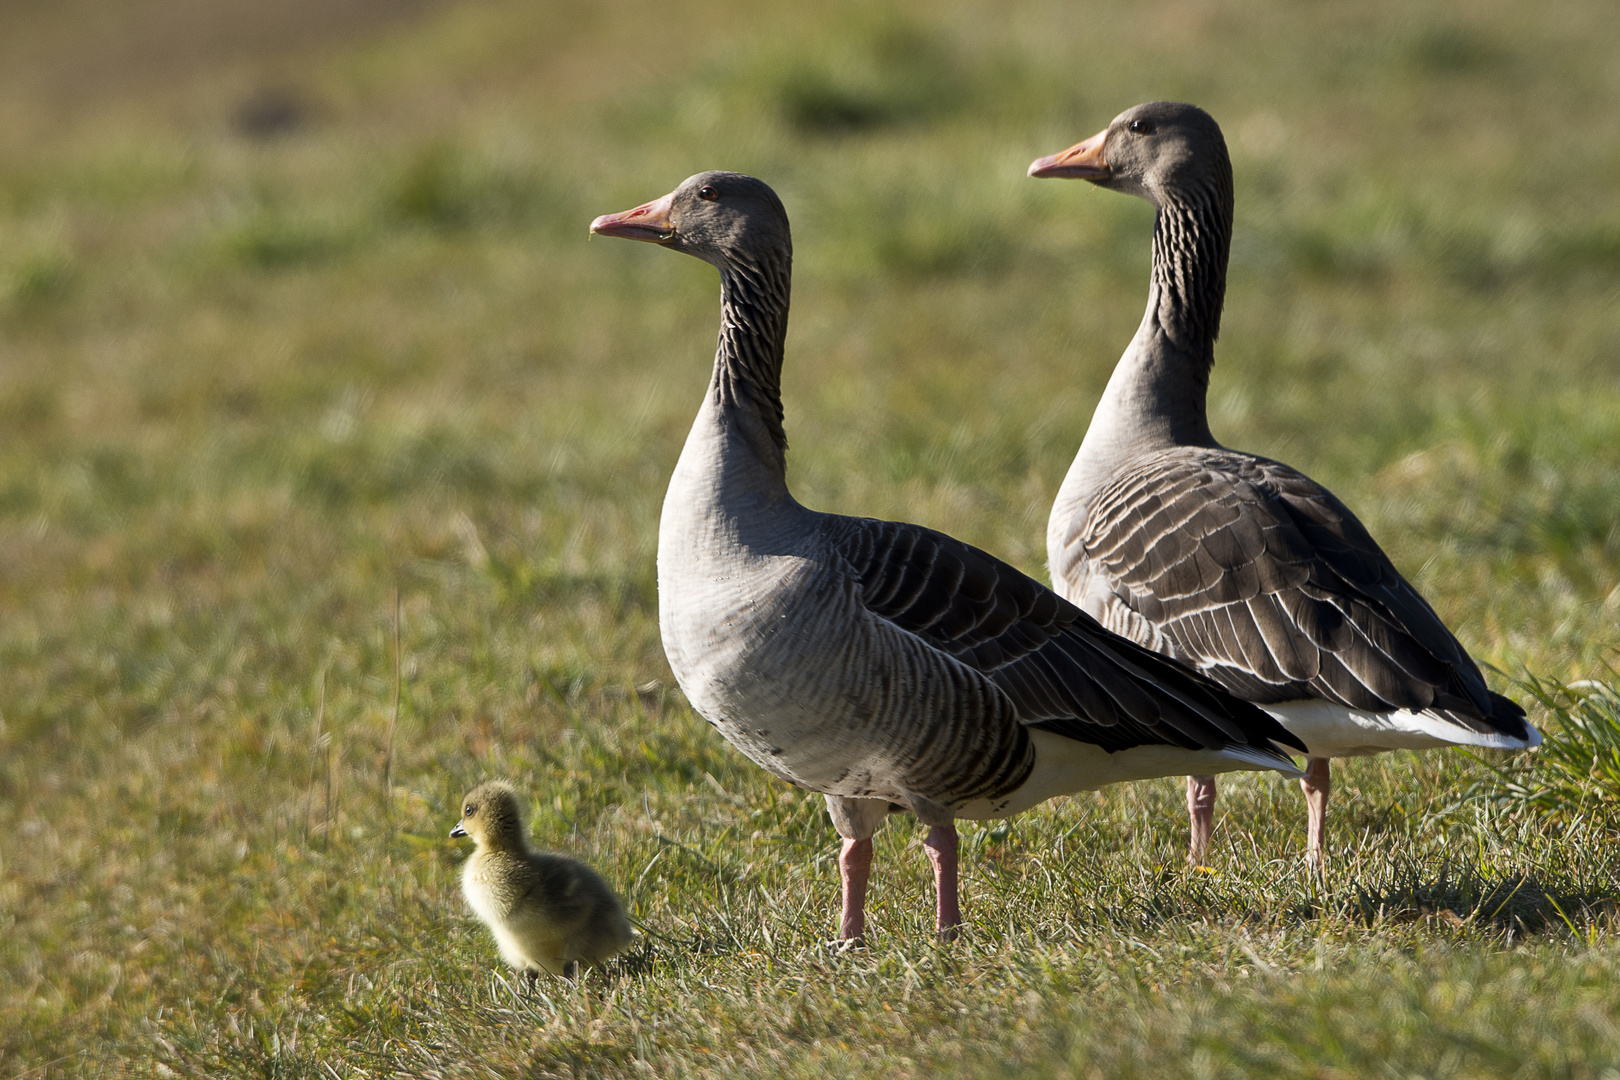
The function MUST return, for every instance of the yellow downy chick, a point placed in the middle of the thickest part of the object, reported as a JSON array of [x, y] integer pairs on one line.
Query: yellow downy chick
[[546, 911]]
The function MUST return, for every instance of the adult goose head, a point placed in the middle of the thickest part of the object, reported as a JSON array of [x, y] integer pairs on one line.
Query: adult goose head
[[737, 224], [720, 217], [1242, 567], [885, 665], [1174, 156]]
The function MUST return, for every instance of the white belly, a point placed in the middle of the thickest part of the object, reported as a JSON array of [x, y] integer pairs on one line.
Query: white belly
[[1064, 766]]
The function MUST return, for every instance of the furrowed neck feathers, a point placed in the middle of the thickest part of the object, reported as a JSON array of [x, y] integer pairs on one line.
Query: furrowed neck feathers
[[747, 384], [1158, 393], [1192, 240]]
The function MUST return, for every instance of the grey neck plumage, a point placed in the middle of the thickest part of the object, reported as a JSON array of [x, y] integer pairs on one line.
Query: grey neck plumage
[[1156, 396], [1192, 238], [746, 388]]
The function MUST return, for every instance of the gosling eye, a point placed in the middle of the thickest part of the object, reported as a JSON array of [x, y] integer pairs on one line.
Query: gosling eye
[[1143, 127], [707, 193], [469, 810]]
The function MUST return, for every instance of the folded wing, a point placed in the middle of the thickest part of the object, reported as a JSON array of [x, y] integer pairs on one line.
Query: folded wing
[[1060, 668], [1268, 584]]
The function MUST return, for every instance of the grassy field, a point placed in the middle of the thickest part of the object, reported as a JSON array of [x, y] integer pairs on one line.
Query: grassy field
[[298, 316]]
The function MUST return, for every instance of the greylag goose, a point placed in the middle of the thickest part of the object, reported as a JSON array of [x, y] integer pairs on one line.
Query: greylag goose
[[548, 912], [885, 665], [1239, 566]]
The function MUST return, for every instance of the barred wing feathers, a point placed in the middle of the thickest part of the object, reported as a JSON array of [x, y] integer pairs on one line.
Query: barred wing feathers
[[1268, 583], [1061, 669]]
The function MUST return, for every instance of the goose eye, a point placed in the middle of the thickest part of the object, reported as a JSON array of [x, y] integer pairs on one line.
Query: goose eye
[[1142, 127], [707, 193], [469, 810]]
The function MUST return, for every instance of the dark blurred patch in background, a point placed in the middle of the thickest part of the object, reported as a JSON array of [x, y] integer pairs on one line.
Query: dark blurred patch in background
[[74, 54]]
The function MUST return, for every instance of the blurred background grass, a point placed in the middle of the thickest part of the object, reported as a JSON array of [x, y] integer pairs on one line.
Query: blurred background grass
[[297, 308]]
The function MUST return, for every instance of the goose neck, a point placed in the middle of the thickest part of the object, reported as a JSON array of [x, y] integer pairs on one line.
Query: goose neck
[[746, 388], [505, 843], [1192, 240], [1157, 395]]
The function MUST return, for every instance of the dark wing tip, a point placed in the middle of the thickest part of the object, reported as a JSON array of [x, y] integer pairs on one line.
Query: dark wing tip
[[1508, 716], [1194, 691]]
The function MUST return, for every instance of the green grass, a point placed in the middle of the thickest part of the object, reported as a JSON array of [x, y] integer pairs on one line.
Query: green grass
[[250, 386], [1576, 775]]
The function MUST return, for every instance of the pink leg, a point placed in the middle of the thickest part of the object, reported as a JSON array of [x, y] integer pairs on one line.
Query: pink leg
[[854, 867], [1201, 812], [1317, 783], [941, 848]]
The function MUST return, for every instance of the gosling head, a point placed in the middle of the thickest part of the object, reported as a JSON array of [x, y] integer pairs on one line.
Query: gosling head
[[718, 217], [491, 815], [1163, 151]]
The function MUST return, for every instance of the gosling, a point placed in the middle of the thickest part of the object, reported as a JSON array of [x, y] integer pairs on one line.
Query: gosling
[[547, 911]]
